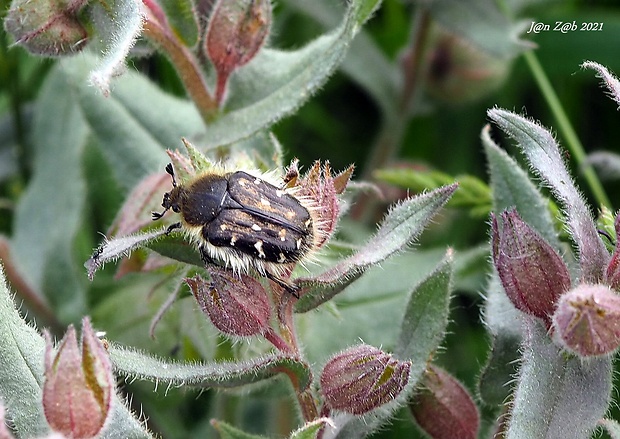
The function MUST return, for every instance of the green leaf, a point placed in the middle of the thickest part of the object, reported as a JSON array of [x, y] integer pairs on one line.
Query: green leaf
[[220, 375], [504, 323], [48, 216], [135, 124], [21, 368], [364, 62], [426, 318], [370, 310], [181, 18], [116, 248], [310, 429], [402, 225], [227, 431], [499, 370], [606, 163], [276, 83], [116, 24], [543, 154], [511, 187], [422, 329], [482, 23], [473, 192], [558, 396]]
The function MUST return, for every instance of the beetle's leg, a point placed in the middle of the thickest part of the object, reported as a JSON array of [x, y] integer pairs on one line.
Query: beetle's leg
[[289, 287], [172, 227]]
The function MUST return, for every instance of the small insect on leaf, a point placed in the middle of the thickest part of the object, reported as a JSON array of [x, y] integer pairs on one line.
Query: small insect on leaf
[[241, 221]]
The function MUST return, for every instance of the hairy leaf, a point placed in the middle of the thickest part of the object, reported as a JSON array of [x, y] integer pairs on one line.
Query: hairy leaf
[[48, 216], [401, 226], [21, 377], [220, 375], [117, 24], [513, 188], [545, 157], [558, 396]]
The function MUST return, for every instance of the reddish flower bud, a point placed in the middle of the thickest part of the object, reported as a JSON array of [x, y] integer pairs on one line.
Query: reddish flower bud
[[321, 189], [237, 30], [78, 388], [443, 408], [587, 320], [532, 273], [362, 378], [48, 27], [236, 304]]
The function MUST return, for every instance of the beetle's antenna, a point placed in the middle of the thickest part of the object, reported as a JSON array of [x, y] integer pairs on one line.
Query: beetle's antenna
[[170, 170]]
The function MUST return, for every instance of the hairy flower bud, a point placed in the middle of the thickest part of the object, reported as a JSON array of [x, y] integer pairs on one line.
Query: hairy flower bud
[[321, 188], [78, 388], [532, 273], [443, 408], [587, 320], [237, 30], [47, 27], [362, 378], [236, 304]]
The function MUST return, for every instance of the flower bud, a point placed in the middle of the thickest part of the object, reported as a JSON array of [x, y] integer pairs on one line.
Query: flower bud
[[460, 72], [47, 27], [587, 320], [362, 378], [443, 408], [321, 189], [236, 304], [78, 388], [532, 273], [237, 30]]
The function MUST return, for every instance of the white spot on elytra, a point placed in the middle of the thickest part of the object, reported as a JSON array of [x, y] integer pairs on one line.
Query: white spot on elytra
[[265, 202], [282, 235], [223, 227], [281, 258], [259, 247], [256, 227], [258, 181], [279, 192], [233, 240]]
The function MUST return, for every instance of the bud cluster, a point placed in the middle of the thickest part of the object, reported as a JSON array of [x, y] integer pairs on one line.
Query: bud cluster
[[583, 318]]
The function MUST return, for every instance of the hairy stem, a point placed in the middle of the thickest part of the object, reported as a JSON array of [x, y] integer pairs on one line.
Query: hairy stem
[[185, 64]]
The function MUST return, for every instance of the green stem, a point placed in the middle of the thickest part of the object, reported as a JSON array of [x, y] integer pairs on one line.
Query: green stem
[[573, 143]]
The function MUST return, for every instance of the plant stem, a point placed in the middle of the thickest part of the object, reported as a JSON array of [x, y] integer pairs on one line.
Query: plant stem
[[564, 126], [185, 64], [390, 137], [307, 405]]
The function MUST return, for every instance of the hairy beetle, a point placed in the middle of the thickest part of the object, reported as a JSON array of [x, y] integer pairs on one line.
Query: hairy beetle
[[243, 221]]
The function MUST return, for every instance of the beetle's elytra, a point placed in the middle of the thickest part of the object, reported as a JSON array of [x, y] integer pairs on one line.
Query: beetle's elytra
[[241, 220]]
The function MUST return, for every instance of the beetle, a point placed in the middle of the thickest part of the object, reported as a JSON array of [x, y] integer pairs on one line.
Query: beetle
[[243, 221]]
